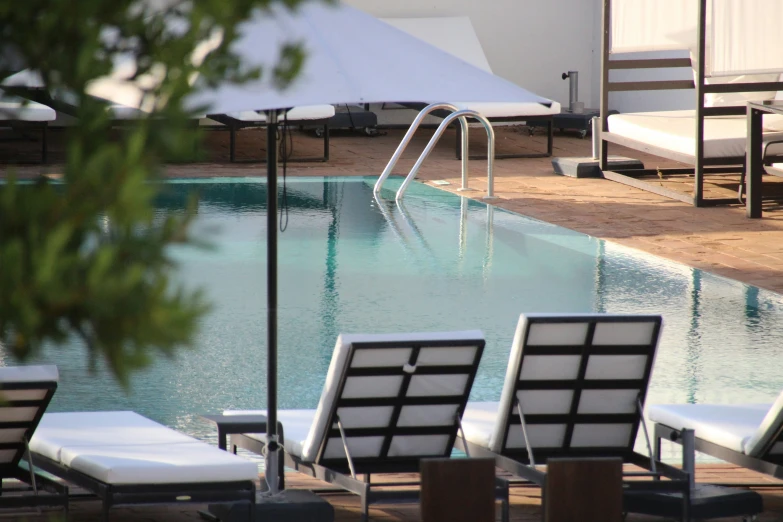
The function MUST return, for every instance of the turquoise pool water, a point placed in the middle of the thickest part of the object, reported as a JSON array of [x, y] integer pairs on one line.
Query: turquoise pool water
[[441, 262]]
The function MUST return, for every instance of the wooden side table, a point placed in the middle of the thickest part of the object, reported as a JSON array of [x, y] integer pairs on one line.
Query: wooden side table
[[755, 154]]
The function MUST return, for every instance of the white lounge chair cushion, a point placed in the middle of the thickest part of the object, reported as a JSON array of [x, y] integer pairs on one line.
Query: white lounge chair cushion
[[126, 448], [676, 131], [13, 108], [510, 110], [478, 421], [42, 373], [768, 428], [727, 425], [303, 113], [296, 426]]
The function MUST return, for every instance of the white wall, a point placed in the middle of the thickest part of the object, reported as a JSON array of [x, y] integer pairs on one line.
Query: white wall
[[530, 42]]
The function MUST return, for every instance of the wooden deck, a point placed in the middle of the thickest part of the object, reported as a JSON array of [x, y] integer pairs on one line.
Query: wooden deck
[[525, 502], [720, 240]]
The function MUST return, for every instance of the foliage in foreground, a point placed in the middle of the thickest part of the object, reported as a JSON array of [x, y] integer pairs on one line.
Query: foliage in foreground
[[86, 255]]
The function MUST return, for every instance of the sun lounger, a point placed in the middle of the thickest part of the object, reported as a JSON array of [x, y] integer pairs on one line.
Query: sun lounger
[[23, 115], [126, 459], [25, 392], [456, 36], [749, 435], [389, 401], [575, 387], [310, 115]]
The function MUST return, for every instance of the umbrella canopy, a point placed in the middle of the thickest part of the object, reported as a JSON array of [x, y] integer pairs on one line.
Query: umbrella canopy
[[351, 57]]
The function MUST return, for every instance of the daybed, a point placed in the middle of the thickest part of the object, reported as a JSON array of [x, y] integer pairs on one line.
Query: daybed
[[389, 401], [456, 36], [125, 459], [727, 61]]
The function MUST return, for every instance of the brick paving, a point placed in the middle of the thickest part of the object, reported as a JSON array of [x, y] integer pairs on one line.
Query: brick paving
[[718, 239]]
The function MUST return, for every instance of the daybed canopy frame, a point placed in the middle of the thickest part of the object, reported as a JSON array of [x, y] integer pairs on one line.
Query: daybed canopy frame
[[701, 165]]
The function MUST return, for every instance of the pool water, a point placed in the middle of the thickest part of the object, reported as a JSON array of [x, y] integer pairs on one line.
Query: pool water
[[441, 262]]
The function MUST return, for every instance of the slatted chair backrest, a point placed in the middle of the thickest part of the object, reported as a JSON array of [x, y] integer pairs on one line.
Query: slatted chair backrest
[[25, 393], [767, 442], [397, 397], [578, 379]]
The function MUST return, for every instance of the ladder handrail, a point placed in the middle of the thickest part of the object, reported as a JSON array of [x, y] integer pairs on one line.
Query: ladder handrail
[[461, 114], [409, 135]]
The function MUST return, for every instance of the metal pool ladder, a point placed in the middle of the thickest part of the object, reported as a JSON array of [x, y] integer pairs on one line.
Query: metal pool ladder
[[462, 115]]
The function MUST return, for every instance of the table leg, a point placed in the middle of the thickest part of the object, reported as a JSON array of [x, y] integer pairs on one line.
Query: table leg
[[753, 164]]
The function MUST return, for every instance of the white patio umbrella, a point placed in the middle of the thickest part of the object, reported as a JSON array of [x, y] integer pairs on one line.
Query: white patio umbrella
[[352, 57]]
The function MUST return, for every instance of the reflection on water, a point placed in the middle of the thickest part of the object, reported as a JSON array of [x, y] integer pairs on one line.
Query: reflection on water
[[349, 263]]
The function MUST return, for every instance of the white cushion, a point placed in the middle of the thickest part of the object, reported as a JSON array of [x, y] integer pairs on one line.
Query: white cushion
[[478, 421], [676, 130], [767, 429], [296, 426], [509, 110], [124, 448], [15, 108], [169, 463], [306, 112], [727, 425], [42, 373]]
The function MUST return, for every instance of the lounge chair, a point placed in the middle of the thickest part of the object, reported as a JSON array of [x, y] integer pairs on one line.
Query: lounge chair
[[575, 387], [22, 115], [389, 401], [748, 435], [456, 36], [25, 392], [126, 459], [311, 115]]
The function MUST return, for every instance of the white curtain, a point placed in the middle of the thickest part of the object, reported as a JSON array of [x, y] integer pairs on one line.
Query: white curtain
[[743, 36], [653, 25], [746, 37]]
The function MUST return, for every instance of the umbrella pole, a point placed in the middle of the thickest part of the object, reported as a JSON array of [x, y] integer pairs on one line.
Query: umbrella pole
[[271, 460]]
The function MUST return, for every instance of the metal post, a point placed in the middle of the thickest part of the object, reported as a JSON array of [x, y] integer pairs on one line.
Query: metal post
[[689, 455], [603, 152], [595, 124], [573, 88], [753, 164], [272, 447], [698, 177], [463, 122]]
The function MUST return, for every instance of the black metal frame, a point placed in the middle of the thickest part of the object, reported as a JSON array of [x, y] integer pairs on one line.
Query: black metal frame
[[45, 492], [769, 464], [233, 125], [635, 178], [546, 119], [338, 472], [516, 460], [112, 495]]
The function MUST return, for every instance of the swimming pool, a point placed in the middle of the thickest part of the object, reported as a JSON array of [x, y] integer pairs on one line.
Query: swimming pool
[[348, 264]]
